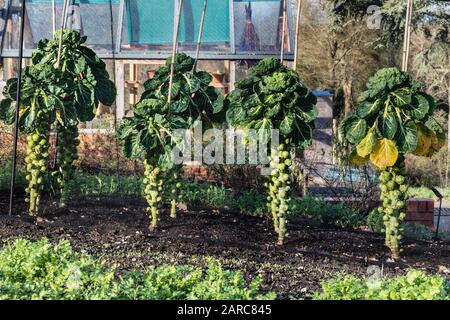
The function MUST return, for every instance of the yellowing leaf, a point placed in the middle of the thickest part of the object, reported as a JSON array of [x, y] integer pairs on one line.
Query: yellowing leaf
[[385, 154], [22, 110], [437, 142], [424, 142], [356, 159], [365, 147]]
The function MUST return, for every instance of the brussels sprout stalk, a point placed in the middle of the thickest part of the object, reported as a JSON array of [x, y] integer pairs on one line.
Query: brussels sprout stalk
[[175, 186], [394, 192], [67, 150], [279, 190], [36, 160], [153, 191]]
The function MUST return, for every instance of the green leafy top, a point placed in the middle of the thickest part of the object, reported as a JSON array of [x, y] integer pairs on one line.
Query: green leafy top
[[69, 94], [148, 134], [192, 96], [84, 73], [38, 96], [273, 97], [393, 116]]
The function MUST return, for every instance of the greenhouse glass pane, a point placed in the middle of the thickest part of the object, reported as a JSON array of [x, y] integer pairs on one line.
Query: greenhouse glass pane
[[149, 21], [149, 24], [91, 18], [258, 25]]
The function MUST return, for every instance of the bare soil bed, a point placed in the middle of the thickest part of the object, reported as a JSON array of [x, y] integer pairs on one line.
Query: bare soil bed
[[116, 230]]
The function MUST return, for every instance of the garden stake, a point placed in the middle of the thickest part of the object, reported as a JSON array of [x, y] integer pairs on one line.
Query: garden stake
[[297, 33], [407, 36], [283, 31], [16, 119], [113, 46], [53, 16], [174, 51], [63, 24], [200, 33]]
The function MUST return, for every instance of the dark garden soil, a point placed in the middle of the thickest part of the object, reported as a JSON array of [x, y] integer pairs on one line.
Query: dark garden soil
[[115, 229]]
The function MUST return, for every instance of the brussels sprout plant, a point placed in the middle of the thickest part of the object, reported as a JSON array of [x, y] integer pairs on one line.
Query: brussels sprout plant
[[273, 97], [148, 134], [39, 106], [57, 97], [86, 82], [393, 118]]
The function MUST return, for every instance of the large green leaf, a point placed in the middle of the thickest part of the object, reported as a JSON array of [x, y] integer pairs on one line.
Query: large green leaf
[[273, 111], [402, 98], [368, 108], [302, 135], [433, 125], [7, 110], [180, 105], [235, 116], [286, 126], [388, 125], [66, 113], [204, 77], [263, 130], [419, 107], [407, 137], [217, 99], [106, 91], [85, 101], [355, 129], [308, 113], [10, 89], [125, 129]]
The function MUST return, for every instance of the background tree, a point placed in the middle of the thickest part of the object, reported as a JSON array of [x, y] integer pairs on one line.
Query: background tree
[[432, 67]]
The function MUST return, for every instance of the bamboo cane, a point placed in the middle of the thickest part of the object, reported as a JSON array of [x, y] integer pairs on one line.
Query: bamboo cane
[[407, 35], [53, 16], [408, 47], [63, 24], [283, 32], [297, 33], [200, 34], [174, 50]]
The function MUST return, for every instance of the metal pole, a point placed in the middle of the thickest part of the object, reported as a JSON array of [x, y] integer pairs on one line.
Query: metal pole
[[174, 50], [200, 33], [439, 219], [283, 31], [297, 33], [16, 120]]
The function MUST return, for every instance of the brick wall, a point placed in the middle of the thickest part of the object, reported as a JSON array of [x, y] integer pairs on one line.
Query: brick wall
[[418, 210], [421, 211]]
